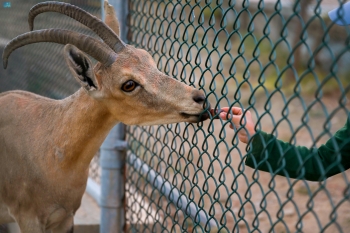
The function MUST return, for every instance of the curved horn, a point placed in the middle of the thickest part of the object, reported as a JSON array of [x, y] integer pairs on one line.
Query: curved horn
[[88, 44], [92, 22]]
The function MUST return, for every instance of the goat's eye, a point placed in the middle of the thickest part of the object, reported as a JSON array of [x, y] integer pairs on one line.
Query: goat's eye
[[129, 86]]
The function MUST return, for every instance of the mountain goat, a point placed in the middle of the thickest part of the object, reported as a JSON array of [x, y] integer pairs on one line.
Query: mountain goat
[[46, 145]]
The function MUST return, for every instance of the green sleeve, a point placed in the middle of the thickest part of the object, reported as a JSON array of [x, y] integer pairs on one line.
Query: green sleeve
[[269, 154]]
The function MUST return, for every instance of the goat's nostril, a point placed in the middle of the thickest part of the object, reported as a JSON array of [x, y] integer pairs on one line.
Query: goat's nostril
[[199, 98]]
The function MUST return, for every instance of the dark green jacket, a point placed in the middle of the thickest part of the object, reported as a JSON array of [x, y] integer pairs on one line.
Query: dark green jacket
[[277, 157]]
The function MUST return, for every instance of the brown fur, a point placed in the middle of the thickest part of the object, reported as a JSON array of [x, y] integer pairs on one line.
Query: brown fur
[[46, 145]]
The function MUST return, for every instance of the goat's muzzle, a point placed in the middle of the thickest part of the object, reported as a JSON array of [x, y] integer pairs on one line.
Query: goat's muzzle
[[205, 114]]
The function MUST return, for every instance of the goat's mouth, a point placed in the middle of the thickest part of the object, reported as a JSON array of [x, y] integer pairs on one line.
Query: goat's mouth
[[193, 118], [198, 117]]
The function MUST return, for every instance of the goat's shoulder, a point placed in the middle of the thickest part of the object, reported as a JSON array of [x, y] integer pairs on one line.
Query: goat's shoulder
[[17, 94], [23, 104], [23, 99]]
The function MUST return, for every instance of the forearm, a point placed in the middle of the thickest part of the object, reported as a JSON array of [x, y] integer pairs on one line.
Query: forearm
[[277, 157]]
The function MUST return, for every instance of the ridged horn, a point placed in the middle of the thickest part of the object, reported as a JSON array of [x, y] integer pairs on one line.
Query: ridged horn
[[87, 44], [74, 12]]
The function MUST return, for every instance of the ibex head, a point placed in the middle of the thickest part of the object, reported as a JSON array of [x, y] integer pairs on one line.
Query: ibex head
[[125, 80]]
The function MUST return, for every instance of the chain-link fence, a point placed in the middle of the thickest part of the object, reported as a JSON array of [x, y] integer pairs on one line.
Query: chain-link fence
[[282, 60], [286, 63], [40, 68]]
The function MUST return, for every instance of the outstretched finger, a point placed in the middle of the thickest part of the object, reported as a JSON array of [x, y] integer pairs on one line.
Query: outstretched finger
[[225, 115], [237, 111], [233, 110], [224, 109]]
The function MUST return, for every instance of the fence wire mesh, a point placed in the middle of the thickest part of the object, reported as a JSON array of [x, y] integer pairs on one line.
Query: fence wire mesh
[[286, 63], [40, 68], [283, 61]]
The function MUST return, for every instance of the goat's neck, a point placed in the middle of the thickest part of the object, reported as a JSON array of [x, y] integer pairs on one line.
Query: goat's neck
[[84, 125]]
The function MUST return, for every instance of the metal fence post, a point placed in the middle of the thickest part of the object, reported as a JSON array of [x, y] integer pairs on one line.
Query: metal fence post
[[112, 162], [113, 154]]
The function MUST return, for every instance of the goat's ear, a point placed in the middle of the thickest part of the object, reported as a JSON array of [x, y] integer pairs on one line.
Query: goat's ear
[[81, 67], [111, 18]]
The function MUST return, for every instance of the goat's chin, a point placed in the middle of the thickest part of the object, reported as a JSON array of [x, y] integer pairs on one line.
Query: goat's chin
[[182, 117], [194, 118]]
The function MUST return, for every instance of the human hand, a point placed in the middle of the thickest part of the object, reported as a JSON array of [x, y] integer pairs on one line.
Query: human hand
[[236, 120]]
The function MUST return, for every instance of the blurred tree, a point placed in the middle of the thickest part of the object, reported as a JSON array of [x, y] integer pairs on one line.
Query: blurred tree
[[303, 16]]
